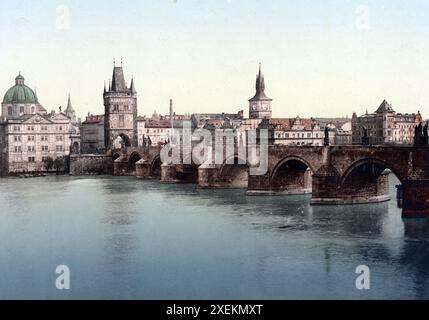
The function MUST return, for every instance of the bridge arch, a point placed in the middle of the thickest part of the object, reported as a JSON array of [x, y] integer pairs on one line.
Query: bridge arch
[[367, 180], [133, 159], [292, 175], [155, 168], [367, 161]]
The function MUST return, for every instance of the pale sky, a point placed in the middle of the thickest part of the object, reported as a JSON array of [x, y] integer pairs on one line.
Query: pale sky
[[319, 57]]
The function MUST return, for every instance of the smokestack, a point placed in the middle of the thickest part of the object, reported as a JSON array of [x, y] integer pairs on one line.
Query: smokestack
[[171, 109]]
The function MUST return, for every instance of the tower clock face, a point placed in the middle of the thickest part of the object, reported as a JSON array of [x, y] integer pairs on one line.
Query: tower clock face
[[254, 107]]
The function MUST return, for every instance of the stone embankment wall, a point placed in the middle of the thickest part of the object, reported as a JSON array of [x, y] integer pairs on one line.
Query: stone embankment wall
[[88, 164]]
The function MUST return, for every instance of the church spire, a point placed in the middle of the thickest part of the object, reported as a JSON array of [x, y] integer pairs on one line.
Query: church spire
[[70, 110], [132, 87], [69, 104], [260, 86]]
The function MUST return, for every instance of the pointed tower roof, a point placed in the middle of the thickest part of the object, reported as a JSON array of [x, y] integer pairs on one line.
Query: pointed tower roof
[[385, 107], [118, 80], [260, 87], [69, 108], [132, 87]]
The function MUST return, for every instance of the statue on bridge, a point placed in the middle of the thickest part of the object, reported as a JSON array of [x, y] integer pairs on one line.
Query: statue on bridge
[[421, 135], [365, 138], [326, 140], [425, 133]]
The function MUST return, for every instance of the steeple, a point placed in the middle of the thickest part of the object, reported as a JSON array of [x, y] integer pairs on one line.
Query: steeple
[[260, 81], [70, 110], [69, 105], [260, 105], [260, 87], [132, 87]]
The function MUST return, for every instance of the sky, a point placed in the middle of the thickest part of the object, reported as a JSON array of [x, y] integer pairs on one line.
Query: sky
[[321, 58]]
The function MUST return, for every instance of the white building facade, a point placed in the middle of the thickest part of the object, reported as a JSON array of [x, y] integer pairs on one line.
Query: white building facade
[[29, 135]]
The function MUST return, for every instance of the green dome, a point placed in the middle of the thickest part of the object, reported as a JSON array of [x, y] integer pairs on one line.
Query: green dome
[[20, 93]]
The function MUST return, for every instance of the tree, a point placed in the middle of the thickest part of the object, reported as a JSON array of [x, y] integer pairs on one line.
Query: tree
[[48, 163], [58, 164]]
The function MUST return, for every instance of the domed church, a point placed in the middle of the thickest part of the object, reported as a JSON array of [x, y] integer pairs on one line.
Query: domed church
[[29, 135], [20, 100]]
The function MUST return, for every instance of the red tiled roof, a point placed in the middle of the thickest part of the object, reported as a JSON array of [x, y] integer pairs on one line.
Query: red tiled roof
[[288, 123], [158, 124]]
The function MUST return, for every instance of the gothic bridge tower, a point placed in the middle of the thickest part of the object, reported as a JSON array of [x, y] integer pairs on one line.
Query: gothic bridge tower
[[120, 111]]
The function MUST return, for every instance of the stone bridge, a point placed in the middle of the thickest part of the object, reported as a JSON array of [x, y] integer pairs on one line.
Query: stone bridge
[[333, 174]]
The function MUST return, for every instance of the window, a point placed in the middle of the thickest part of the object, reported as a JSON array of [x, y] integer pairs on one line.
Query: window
[[127, 108], [115, 108], [21, 109], [16, 138], [59, 138], [45, 148], [30, 128], [16, 128], [30, 138], [44, 128], [121, 121], [31, 159], [17, 148], [9, 111], [59, 148], [30, 148], [44, 138]]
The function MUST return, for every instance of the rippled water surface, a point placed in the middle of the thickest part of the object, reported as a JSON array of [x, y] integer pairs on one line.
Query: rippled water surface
[[129, 239]]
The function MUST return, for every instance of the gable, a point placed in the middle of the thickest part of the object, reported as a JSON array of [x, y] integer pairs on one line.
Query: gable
[[37, 119], [59, 116]]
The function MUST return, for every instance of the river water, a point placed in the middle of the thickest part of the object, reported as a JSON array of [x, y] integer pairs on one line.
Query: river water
[[122, 238]]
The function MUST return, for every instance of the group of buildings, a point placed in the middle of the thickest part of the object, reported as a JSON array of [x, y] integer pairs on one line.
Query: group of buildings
[[33, 139]]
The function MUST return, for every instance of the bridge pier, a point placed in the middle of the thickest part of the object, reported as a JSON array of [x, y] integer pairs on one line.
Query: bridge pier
[[416, 198], [142, 169], [120, 167], [169, 173], [208, 174], [325, 186]]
